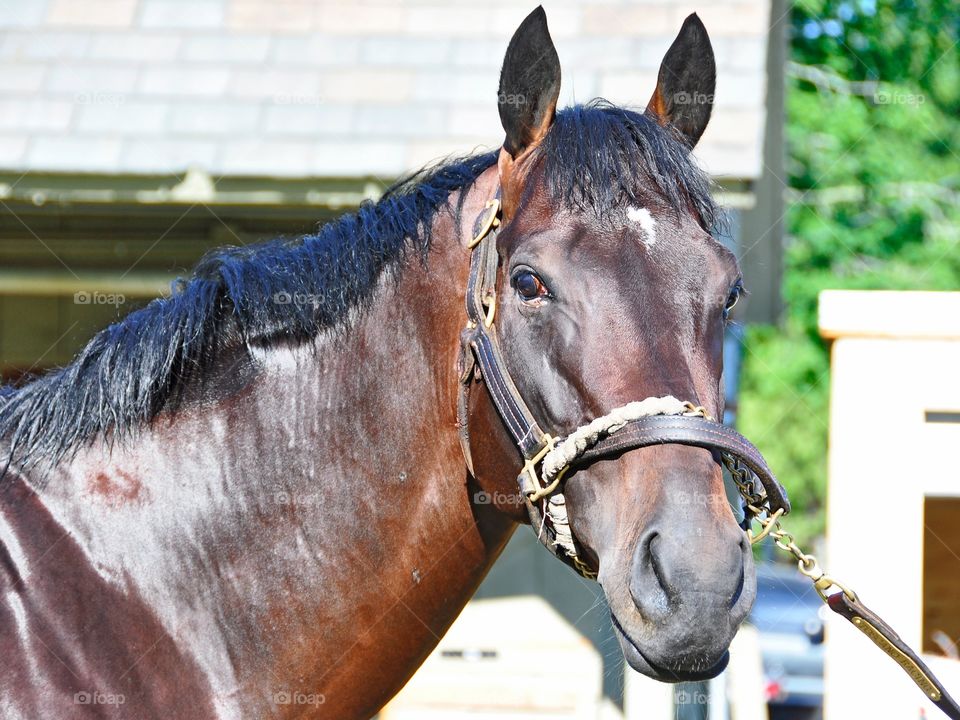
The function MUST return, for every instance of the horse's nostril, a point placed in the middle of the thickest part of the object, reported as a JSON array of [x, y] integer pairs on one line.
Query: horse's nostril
[[746, 568], [655, 565], [668, 574], [739, 590], [648, 588]]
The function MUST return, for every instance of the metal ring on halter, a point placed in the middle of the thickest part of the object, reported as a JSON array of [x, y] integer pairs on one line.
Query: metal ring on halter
[[548, 490], [490, 303], [491, 221], [768, 526]]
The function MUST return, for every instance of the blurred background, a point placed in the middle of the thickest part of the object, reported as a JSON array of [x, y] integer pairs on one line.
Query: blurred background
[[137, 134]]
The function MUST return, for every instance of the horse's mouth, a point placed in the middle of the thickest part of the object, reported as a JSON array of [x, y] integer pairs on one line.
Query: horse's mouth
[[643, 665]]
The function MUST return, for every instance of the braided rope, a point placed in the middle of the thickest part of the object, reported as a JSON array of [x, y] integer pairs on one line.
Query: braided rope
[[576, 443]]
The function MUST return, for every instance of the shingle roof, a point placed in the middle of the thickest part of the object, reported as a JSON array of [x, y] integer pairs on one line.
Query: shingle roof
[[300, 88]]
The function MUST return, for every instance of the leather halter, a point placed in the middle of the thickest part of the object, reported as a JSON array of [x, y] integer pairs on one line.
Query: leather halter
[[481, 360]]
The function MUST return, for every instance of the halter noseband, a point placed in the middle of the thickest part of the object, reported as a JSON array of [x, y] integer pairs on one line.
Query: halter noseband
[[652, 421]]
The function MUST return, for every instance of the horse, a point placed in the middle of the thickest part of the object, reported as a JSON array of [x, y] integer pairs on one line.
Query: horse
[[270, 493]]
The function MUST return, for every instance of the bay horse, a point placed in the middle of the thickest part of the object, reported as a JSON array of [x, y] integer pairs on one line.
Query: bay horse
[[249, 499]]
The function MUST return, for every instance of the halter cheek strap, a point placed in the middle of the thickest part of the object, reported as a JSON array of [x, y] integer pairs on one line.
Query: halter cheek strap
[[482, 360]]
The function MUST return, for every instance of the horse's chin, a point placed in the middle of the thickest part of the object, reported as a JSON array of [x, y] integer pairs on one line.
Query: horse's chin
[[643, 665]]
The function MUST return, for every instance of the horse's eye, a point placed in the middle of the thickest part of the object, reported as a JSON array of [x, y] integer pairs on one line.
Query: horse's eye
[[732, 299], [529, 287]]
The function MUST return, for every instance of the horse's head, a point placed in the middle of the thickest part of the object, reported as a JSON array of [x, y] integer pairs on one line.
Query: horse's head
[[611, 290]]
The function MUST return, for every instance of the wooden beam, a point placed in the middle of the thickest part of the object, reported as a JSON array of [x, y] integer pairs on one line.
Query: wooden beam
[[51, 283]]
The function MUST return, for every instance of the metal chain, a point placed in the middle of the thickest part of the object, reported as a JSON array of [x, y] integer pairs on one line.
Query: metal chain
[[757, 509]]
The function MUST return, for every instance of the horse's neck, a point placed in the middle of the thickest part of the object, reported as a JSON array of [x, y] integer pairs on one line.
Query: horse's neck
[[335, 476]]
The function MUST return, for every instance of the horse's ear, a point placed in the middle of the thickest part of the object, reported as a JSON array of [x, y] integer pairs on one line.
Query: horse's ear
[[685, 86], [529, 84]]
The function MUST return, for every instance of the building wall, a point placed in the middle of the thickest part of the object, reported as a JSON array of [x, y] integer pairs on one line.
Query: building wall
[[284, 113], [298, 88]]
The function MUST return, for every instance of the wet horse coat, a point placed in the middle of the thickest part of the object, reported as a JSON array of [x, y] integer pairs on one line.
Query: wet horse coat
[[73, 629], [235, 518]]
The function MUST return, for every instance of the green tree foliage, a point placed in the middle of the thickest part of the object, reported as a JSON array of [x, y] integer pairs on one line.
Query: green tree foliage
[[873, 132]]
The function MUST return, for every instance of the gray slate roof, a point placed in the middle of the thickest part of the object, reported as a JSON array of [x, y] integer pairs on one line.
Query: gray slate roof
[[305, 88]]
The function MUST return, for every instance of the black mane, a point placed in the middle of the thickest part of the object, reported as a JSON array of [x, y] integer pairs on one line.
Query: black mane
[[595, 156], [598, 155]]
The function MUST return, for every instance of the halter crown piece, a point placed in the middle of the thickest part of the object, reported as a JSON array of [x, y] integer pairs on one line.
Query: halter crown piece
[[547, 459]]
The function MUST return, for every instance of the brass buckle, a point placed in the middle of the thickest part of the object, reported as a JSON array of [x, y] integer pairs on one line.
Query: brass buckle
[[492, 220], [530, 466]]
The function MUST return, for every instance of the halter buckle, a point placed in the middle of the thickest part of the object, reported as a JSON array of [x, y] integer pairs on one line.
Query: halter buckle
[[532, 488], [490, 221]]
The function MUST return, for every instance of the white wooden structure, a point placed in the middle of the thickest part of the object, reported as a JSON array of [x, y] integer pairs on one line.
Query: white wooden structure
[[893, 529]]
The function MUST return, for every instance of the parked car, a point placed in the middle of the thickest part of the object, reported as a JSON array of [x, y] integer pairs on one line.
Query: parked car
[[789, 616]]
